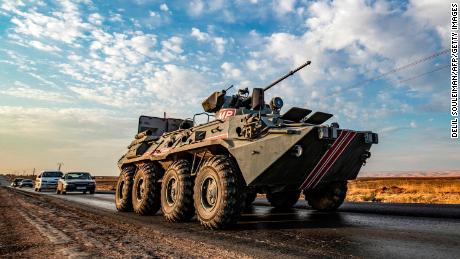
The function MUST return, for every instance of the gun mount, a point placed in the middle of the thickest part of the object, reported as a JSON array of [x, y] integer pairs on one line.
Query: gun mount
[[218, 100]]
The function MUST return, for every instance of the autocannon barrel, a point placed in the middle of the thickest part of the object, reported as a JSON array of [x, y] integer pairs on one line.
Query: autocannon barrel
[[287, 75]]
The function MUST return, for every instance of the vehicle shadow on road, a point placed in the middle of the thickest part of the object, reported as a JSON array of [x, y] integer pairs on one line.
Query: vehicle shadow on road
[[289, 219]]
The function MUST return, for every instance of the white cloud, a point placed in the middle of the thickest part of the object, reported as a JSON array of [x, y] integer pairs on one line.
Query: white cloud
[[432, 13], [64, 25], [11, 5], [108, 96], [284, 6], [195, 7], [115, 17], [22, 90], [173, 44], [44, 47], [176, 88], [164, 7], [230, 71], [218, 42], [95, 19], [199, 35]]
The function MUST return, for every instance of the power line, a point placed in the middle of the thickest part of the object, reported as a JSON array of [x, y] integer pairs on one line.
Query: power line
[[416, 62], [424, 74], [397, 69]]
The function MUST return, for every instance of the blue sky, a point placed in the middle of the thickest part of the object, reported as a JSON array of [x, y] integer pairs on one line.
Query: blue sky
[[75, 75]]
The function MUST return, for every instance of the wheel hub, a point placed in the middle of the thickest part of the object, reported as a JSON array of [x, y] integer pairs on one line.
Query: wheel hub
[[140, 189], [209, 193], [120, 190], [171, 191]]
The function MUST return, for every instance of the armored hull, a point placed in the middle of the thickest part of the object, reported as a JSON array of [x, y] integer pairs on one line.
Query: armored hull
[[216, 169]]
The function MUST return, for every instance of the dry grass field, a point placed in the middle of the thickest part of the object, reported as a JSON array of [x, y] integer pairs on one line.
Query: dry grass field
[[441, 190]]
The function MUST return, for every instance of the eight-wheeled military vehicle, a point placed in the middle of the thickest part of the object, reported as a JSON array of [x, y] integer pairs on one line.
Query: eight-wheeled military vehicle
[[215, 169]]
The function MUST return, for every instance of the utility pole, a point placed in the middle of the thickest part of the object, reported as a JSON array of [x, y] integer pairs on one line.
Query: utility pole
[[59, 165], [33, 172]]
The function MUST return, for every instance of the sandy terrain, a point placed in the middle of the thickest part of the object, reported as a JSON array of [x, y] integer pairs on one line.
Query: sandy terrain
[[33, 226]]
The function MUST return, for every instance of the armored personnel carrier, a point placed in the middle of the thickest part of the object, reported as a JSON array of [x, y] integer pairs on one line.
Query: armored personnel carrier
[[215, 169]]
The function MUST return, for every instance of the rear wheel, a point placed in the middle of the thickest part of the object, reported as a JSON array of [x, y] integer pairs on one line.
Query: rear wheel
[[146, 189], [124, 188], [283, 200], [177, 192], [58, 191], [217, 193], [328, 198]]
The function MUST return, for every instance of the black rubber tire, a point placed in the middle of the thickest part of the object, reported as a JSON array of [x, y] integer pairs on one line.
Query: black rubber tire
[[92, 192], [249, 198], [181, 208], [328, 198], [283, 200], [228, 201], [146, 202], [58, 191], [124, 188]]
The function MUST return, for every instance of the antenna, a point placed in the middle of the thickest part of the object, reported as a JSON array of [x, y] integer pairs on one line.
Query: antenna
[[59, 165]]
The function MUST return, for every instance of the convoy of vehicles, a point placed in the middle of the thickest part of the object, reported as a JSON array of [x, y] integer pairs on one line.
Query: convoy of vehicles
[[76, 182], [47, 180], [214, 170]]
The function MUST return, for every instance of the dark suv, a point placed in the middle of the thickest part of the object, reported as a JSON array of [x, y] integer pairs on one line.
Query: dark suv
[[26, 183], [15, 182], [76, 182]]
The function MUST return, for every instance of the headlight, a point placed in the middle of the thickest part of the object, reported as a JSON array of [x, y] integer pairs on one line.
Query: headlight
[[276, 103]]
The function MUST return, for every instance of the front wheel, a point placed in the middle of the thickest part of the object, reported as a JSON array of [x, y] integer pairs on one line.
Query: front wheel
[[146, 189], [328, 198], [177, 192], [123, 189], [217, 193]]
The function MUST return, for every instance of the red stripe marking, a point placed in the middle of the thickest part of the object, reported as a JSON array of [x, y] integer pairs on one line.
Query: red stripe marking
[[333, 160], [324, 158], [329, 159]]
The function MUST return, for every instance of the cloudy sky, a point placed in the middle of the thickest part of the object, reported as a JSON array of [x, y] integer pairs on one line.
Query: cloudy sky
[[75, 75]]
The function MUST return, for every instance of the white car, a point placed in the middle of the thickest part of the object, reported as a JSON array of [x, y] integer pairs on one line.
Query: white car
[[47, 180]]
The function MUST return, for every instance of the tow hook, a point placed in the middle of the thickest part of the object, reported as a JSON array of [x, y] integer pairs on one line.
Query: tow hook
[[365, 156], [297, 151]]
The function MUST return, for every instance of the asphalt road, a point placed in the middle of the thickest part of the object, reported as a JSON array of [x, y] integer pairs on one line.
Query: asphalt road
[[367, 230]]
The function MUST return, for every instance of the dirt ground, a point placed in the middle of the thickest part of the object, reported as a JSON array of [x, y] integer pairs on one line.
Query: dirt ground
[[35, 227]]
